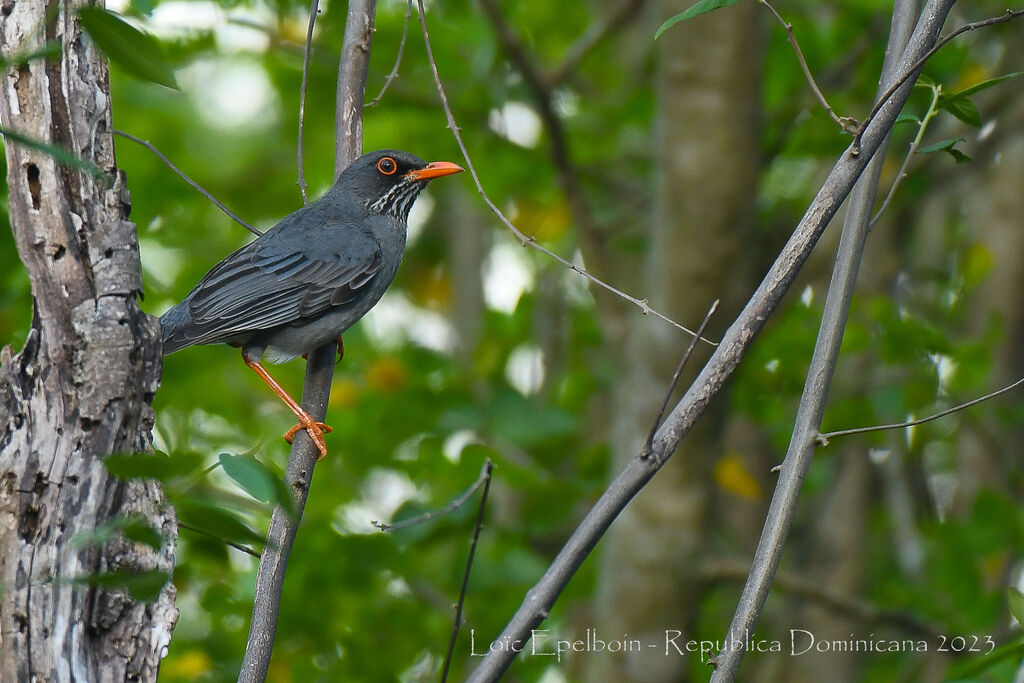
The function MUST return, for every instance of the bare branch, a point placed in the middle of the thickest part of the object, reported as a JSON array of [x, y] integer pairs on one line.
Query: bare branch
[[845, 122], [485, 474], [525, 240], [314, 9], [823, 595], [230, 214], [398, 58], [488, 468], [823, 439], [726, 357], [675, 380]]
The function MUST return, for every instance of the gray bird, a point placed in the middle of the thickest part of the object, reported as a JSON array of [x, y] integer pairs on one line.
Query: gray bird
[[310, 277]]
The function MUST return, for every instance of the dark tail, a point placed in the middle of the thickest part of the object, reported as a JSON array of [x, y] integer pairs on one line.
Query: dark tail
[[173, 324]]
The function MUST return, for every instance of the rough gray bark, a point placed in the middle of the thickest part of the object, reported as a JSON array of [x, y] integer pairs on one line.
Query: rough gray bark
[[81, 385]]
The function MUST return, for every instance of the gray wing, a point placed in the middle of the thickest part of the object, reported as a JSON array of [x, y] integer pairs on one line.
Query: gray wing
[[273, 281]]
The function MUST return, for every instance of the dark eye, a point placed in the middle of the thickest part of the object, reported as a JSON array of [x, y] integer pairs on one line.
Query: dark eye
[[387, 166]]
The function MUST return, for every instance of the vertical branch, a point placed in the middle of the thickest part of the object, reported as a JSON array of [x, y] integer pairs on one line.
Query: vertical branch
[[314, 9], [355, 57], [819, 375], [319, 366]]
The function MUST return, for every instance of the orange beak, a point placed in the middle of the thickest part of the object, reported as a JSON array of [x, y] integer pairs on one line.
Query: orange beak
[[435, 169]]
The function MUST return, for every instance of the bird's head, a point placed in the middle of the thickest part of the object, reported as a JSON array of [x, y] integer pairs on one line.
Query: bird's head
[[389, 180]]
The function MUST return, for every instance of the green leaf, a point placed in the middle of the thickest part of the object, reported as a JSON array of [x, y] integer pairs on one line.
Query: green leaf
[[702, 7], [133, 528], [215, 521], [138, 53], [140, 532], [143, 586], [960, 105], [252, 475], [1015, 599], [963, 109], [51, 48], [156, 465], [56, 151], [978, 87], [947, 146]]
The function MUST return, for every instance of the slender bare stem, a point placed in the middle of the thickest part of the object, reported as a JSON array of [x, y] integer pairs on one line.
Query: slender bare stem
[[451, 507], [398, 58], [525, 240], [488, 468], [845, 122], [914, 146], [314, 9], [675, 380], [823, 439], [230, 214]]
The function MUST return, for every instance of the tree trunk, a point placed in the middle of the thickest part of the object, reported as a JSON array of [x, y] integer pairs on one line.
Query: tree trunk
[[81, 385]]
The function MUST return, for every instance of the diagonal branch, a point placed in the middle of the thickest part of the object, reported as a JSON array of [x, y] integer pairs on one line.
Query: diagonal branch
[[726, 357], [195, 186], [314, 9]]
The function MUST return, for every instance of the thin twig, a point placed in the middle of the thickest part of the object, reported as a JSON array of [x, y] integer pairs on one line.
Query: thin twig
[[675, 380], [488, 468], [823, 439], [314, 9], [922, 127], [485, 473], [148, 145], [1009, 15], [398, 58], [237, 546], [847, 123], [642, 304]]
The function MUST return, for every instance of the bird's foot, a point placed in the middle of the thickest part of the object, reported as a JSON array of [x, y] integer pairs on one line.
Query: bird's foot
[[316, 432]]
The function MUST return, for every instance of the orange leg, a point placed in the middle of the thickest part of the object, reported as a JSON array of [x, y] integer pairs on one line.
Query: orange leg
[[315, 429]]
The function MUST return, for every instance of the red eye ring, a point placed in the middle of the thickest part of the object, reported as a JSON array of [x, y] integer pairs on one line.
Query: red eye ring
[[387, 166]]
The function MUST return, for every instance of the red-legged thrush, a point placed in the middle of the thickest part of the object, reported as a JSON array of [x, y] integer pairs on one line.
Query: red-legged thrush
[[311, 276]]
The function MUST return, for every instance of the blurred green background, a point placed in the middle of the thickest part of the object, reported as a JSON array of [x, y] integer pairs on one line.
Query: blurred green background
[[484, 349]]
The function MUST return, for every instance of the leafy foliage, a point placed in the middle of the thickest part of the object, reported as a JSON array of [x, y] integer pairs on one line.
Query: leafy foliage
[[430, 387]]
